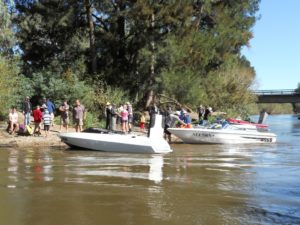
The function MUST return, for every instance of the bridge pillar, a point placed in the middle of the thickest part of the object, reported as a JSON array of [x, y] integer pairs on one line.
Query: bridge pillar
[[296, 107]]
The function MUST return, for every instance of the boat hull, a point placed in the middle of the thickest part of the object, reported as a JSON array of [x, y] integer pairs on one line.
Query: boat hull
[[116, 143], [215, 136]]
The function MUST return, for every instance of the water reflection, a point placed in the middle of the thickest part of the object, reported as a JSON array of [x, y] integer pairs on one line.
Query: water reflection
[[29, 165], [123, 166], [156, 164]]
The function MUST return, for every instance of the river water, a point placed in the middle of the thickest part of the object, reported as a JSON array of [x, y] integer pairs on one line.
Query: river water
[[195, 184]]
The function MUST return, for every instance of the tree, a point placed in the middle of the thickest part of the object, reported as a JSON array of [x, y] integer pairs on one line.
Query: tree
[[144, 47], [50, 32], [7, 38]]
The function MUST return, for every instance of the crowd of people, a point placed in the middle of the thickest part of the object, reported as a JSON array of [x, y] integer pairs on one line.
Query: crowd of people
[[118, 118], [43, 114]]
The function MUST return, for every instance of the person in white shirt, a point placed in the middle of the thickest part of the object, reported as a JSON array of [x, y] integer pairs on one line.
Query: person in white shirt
[[13, 124]]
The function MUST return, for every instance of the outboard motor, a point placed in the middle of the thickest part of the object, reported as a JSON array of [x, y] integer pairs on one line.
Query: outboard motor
[[263, 117]]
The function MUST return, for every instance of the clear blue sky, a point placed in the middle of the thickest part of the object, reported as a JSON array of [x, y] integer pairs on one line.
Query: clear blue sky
[[275, 48]]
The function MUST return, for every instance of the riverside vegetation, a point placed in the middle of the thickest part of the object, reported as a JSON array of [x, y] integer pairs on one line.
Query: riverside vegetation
[[167, 52]]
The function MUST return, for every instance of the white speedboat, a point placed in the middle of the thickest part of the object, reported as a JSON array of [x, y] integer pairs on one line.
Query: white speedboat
[[230, 134], [127, 143]]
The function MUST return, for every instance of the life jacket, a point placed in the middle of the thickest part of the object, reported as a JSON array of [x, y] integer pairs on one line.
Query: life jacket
[[29, 129]]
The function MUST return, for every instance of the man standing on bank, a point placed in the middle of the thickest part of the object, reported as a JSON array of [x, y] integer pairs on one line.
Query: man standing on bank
[[79, 112], [27, 109], [64, 115]]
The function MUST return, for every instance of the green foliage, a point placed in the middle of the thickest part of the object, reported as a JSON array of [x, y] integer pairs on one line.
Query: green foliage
[[273, 108], [92, 120], [190, 79], [7, 38], [60, 87], [229, 87], [8, 84], [193, 46]]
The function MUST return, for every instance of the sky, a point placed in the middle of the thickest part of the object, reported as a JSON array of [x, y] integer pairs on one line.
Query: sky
[[274, 50]]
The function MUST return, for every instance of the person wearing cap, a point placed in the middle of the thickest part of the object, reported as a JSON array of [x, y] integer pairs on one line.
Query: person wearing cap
[[187, 119], [171, 120], [27, 109]]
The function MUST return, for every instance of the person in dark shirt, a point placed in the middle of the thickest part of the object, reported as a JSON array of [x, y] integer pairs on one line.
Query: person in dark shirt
[[208, 112], [200, 111], [64, 115], [27, 109], [109, 115]]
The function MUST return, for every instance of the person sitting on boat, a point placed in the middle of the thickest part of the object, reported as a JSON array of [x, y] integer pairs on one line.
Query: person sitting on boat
[[187, 120]]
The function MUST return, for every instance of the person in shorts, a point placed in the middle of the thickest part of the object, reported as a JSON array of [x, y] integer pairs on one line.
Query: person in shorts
[[143, 121], [37, 116], [51, 108], [79, 112], [13, 124], [130, 116], [124, 117], [64, 115], [46, 121]]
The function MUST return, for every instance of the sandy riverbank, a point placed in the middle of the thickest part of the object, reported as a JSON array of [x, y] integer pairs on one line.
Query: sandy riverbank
[[52, 140]]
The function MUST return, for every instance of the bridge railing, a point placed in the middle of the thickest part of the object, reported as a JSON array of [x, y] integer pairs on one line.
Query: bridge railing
[[277, 92]]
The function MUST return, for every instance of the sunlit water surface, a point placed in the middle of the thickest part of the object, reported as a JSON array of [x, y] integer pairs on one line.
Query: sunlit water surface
[[196, 184]]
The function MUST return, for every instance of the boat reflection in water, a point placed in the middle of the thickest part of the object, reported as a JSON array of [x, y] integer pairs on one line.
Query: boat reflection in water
[[129, 166]]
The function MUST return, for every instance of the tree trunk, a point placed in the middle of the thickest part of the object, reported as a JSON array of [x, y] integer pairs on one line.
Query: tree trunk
[[150, 95], [93, 56]]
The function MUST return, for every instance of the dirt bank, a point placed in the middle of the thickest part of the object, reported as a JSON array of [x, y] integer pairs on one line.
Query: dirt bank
[[52, 140]]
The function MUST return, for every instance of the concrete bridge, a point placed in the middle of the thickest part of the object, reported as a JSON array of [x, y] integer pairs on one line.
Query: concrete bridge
[[278, 96]]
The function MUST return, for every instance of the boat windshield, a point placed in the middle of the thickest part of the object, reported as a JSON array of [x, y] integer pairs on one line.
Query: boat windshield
[[241, 127]]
